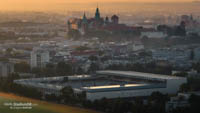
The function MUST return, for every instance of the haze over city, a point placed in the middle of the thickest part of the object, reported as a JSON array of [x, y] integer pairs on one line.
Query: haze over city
[[56, 5]]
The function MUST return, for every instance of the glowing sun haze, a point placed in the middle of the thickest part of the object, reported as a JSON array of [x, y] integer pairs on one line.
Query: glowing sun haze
[[77, 1], [53, 4]]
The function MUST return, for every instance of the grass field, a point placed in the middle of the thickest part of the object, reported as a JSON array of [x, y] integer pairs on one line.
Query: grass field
[[39, 106]]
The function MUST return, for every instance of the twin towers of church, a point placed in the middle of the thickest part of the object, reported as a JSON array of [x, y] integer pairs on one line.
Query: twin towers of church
[[97, 15]]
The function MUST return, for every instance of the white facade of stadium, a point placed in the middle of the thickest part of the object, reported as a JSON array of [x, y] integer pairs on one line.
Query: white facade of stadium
[[172, 85]]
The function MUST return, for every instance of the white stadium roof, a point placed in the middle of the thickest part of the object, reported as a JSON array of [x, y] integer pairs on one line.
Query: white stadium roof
[[138, 75]]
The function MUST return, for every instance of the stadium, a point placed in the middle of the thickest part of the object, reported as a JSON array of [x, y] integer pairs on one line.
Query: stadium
[[108, 84]]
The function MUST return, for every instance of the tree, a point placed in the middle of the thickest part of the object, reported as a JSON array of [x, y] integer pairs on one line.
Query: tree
[[158, 97], [36, 71], [93, 58], [74, 34], [144, 53], [184, 87], [63, 69], [22, 67], [51, 97], [162, 28], [196, 66], [194, 103], [80, 71], [8, 51], [192, 55], [4, 59], [180, 30], [49, 70], [68, 95], [7, 85], [181, 74], [145, 38], [159, 101], [82, 48], [93, 67]]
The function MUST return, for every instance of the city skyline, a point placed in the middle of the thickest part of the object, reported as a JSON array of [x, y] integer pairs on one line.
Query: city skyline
[[92, 56]]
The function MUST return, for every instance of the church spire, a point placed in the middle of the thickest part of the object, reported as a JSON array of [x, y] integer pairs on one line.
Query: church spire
[[84, 18], [97, 14]]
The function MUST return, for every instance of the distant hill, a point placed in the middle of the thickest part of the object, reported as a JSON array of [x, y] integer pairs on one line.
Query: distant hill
[[196, 1], [19, 24]]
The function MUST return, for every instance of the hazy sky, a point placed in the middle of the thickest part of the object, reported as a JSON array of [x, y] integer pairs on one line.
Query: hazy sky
[[53, 4], [77, 1]]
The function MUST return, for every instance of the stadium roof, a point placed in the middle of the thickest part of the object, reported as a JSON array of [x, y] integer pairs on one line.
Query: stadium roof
[[125, 87], [138, 75]]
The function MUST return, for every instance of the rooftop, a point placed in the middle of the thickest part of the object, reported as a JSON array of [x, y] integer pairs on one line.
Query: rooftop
[[138, 74], [125, 87], [112, 86]]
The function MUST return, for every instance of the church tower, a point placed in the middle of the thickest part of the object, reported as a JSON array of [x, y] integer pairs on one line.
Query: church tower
[[84, 19], [84, 25], [97, 14]]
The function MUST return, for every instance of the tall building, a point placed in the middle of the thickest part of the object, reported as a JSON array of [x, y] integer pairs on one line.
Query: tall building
[[6, 68], [39, 58]]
